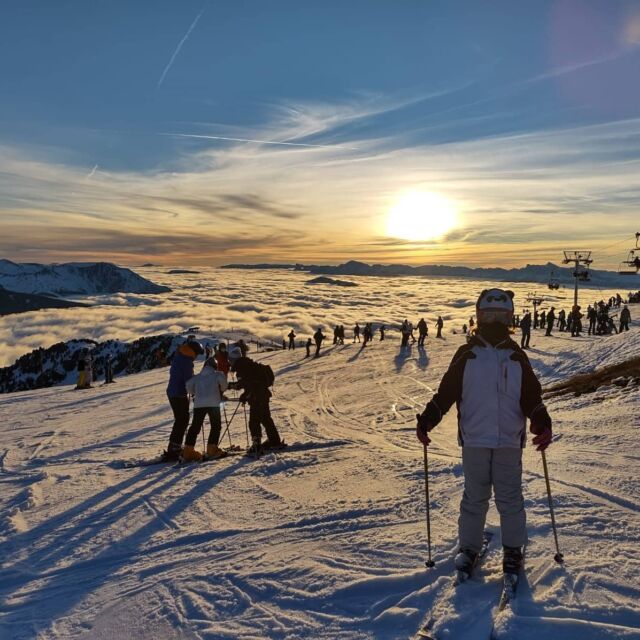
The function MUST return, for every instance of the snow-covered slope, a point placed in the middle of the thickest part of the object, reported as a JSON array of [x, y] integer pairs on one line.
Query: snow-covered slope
[[323, 542], [74, 278]]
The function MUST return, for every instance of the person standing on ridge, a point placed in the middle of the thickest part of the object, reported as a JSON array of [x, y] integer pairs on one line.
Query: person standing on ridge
[[356, 332], [318, 337], [550, 319], [439, 325], [222, 359], [254, 379], [495, 389], [108, 370], [382, 330], [181, 370], [308, 347], [292, 339], [207, 389], [80, 368], [625, 319], [422, 331]]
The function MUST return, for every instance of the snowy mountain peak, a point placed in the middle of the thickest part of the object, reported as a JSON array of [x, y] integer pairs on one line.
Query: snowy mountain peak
[[74, 278]]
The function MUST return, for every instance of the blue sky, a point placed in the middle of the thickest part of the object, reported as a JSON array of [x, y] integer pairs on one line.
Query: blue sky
[[139, 129]]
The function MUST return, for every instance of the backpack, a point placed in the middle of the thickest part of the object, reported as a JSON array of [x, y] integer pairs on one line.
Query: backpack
[[265, 373]]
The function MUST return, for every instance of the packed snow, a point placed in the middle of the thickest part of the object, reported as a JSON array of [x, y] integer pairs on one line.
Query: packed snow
[[327, 540]]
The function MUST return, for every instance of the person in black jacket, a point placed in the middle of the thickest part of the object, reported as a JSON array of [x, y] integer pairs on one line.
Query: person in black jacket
[[255, 378]]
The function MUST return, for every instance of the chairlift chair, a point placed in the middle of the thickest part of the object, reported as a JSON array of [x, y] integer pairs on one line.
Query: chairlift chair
[[631, 266]]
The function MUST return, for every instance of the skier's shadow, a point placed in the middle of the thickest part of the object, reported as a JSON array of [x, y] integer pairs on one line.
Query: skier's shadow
[[82, 528], [403, 355], [423, 358]]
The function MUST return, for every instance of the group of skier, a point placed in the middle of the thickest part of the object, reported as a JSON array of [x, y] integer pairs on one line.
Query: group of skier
[[364, 335], [207, 389], [598, 316]]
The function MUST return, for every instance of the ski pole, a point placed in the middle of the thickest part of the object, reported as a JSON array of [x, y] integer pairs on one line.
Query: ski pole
[[233, 415], [224, 408], [429, 563], [559, 557]]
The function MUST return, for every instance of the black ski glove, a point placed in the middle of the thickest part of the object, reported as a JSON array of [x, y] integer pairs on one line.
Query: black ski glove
[[423, 426]]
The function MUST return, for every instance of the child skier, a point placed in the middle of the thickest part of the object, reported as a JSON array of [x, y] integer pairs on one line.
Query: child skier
[[495, 390], [207, 388]]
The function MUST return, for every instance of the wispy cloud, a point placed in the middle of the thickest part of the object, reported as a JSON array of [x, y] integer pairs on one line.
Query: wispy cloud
[[277, 142], [325, 202], [177, 49]]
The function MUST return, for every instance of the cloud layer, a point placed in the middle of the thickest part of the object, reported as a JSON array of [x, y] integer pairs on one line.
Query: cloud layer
[[265, 303]]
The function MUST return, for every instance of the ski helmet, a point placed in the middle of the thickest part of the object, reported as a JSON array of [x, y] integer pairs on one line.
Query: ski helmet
[[211, 362], [196, 347], [495, 305]]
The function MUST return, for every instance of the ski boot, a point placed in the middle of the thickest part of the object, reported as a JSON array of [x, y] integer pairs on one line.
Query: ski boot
[[512, 561], [214, 452], [465, 562], [172, 454], [189, 454], [255, 450], [275, 445]]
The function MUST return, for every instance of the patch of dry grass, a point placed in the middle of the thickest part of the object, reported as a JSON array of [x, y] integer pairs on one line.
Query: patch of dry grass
[[622, 374]]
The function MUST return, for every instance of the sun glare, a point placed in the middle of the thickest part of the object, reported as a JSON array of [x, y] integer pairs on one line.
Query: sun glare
[[420, 216]]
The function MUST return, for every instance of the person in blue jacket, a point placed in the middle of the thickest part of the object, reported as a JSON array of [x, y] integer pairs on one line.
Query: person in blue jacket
[[181, 370]]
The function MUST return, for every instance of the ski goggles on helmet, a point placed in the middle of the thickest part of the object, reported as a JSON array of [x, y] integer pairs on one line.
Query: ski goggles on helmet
[[489, 315]]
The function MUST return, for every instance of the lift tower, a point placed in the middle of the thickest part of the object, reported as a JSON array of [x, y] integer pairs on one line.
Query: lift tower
[[581, 261]]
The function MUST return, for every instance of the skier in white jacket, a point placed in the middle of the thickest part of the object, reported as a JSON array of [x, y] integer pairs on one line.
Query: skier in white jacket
[[207, 387], [495, 390]]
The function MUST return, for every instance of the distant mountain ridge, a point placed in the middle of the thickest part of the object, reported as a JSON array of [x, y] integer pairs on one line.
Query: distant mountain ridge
[[73, 278], [535, 273], [15, 302]]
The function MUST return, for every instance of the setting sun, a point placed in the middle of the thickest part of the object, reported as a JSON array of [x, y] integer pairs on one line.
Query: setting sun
[[421, 215]]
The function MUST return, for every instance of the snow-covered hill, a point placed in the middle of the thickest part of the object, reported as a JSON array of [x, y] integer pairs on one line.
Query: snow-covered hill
[[323, 542], [57, 364], [74, 278]]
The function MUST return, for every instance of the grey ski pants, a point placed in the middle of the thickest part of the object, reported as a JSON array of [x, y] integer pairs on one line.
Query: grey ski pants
[[483, 469]]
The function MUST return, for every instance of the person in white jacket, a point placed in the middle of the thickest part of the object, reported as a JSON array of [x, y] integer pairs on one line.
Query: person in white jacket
[[207, 388], [495, 389]]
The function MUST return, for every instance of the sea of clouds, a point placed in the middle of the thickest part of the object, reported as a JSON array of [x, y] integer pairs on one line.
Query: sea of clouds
[[266, 303]]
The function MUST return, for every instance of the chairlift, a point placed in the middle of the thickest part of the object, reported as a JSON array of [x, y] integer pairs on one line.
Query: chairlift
[[582, 274], [553, 283], [631, 266]]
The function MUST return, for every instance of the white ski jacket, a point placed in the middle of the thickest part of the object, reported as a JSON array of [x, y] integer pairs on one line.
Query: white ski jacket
[[495, 390], [207, 387]]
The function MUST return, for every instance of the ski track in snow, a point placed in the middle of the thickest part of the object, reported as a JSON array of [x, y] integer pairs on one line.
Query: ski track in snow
[[322, 541]]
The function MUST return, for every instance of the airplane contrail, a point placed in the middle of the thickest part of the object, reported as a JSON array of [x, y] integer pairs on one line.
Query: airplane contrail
[[95, 168], [287, 144], [177, 51]]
